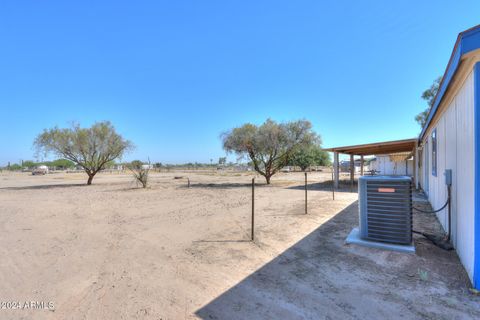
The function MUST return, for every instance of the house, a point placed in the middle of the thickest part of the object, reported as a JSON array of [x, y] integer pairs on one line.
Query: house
[[451, 140]]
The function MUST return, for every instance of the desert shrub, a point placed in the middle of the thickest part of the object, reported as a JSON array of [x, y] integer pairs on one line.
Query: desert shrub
[[140, 172]]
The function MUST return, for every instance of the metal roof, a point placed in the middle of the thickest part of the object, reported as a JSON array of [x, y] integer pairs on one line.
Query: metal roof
[[386, 147]]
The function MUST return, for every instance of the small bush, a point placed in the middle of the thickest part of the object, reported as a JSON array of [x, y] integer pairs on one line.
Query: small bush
[[140, 172]]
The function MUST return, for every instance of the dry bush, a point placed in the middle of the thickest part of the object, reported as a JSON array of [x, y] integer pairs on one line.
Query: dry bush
[[140, 172]]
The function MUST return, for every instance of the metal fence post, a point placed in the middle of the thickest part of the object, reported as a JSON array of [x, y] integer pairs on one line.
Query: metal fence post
[[306, 193], [253, 209]]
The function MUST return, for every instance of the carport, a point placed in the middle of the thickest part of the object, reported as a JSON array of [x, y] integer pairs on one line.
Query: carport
[[377, 148]]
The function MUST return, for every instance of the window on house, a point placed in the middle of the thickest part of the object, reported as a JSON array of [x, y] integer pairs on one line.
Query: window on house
[[434, 152]]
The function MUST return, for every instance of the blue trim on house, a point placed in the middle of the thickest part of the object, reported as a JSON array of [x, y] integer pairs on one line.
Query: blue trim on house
[[467, 41], [476, 217]]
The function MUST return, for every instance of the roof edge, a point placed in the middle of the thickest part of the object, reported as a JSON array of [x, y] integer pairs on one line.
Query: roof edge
[[466, 42], [392, 142]]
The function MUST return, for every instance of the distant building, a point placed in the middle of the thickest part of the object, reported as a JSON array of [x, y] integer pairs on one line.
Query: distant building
[[345, 166], [392, 164]]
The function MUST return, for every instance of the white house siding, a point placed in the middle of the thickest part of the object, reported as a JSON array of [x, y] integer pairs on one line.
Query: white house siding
[[465, 158], [455, 150]]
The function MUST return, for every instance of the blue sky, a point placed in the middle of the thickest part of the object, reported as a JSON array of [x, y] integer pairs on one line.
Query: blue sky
[[173, 75]]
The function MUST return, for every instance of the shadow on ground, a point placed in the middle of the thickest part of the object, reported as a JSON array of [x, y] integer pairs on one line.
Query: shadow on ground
[[220, 185], [222, 241], [227, 185], [326, 186], [46, 186], [322, 278]]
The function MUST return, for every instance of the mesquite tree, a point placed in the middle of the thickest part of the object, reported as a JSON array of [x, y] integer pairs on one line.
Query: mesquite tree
[[311, 155], [90, 148], [271, 145]]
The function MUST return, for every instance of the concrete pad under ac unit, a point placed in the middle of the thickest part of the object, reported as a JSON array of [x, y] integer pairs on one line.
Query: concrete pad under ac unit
[[354, 237]]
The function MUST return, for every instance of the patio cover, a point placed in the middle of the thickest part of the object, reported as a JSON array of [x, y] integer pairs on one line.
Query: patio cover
[[377, 148], [387, 147]]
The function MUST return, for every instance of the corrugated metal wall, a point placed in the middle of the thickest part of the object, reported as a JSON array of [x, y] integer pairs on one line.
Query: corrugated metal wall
[[388, 167], [455, 149]]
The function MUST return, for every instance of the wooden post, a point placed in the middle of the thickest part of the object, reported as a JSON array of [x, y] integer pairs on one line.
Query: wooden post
[[188, 182], [335, 169], [253, 210], [333, 186], [306, 193], [415, 166], [361, 165], [352, 172]]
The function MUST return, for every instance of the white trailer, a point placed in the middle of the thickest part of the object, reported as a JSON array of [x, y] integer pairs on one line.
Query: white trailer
[[451, 140], [40, 170]]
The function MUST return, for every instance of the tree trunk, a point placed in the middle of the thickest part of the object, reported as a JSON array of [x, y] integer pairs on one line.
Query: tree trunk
[[268, 179], [90, 178]]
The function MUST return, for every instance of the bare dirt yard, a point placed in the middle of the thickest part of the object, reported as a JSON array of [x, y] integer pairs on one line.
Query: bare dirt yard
[[115, 251]]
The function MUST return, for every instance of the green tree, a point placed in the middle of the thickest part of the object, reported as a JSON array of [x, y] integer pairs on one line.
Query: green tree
[[14, 167], [29, 164], [136, 164], [90, 148], [222, 161], [270, 145], [310, 155], [62, 164], [429, 96]]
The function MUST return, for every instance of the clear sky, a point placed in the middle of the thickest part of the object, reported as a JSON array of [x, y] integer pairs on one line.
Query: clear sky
[[173, 75]]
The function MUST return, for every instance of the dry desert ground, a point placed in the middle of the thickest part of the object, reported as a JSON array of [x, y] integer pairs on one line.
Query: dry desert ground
[[115, 251]]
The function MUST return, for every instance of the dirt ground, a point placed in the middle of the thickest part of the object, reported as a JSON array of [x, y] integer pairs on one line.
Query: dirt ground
[[115, 251]]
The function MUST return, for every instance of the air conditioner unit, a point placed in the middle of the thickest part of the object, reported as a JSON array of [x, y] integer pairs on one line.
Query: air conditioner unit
[[385, 207]]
